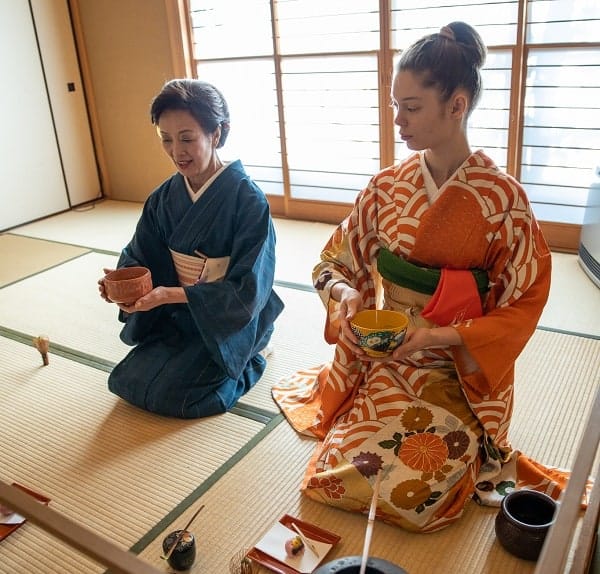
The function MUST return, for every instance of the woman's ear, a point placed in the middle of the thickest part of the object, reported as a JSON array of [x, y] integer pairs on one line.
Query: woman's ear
[[216, 136], [459, 105]]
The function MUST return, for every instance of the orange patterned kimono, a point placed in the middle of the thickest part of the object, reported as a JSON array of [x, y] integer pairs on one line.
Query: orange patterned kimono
[[437, 435]]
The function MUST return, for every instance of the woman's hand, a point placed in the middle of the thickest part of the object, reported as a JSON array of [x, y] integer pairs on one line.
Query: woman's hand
[[350, 304], [414, 341], [101, 286], [420, 339], [158, 296]]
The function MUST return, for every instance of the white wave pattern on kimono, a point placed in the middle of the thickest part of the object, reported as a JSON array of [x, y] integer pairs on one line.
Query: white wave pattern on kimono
[[437, 432]]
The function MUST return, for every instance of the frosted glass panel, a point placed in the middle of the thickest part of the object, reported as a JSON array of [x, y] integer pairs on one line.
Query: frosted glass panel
[[249, 88], [553, 21], [495, 20], [332, 123], [230, 28], [561, 123], [309, 26]]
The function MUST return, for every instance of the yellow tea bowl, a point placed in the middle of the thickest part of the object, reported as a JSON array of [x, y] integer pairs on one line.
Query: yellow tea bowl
[[379, 331]]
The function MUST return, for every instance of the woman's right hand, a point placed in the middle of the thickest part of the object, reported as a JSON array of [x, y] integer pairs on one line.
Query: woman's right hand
[[350, 304]]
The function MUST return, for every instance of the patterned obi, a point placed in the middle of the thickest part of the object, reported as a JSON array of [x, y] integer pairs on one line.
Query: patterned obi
[[193, 269], [420, 279]]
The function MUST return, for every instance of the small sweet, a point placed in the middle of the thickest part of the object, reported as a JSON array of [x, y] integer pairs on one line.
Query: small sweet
[[5, 511], [294, 546]]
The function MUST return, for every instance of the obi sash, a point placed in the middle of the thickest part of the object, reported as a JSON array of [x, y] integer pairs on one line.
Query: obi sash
[[194, 269], [456, 293], [421, 279]]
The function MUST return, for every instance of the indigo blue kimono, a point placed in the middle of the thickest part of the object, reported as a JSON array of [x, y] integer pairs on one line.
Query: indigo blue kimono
[[198, 358]]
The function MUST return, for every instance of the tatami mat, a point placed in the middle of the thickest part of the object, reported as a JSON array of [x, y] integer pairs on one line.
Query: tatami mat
[[574, 301], [298, 249], [264, 486], [297, 341], [114, 468], [63, 303], [23, 256], [104, 225], [556, 379], [554, 392]]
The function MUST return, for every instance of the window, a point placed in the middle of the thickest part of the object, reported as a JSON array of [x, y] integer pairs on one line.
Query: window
[[237, 57], [561, 147], [308, 86]]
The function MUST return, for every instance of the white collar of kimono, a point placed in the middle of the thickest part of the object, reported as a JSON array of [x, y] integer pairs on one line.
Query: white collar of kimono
[[195, 195], [433, 192], [430, 187]]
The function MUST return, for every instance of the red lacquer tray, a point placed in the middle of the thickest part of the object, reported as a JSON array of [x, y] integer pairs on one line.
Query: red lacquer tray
[[8, 529], [311, 530]]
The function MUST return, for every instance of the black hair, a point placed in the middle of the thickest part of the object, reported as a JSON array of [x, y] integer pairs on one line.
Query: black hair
[[201, 99], [448, 60]]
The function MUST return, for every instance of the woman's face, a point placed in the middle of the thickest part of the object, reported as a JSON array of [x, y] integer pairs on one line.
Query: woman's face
[[190, 148], [424, 120]]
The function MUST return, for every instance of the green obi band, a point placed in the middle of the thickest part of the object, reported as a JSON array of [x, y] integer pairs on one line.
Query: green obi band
[[419, 279]]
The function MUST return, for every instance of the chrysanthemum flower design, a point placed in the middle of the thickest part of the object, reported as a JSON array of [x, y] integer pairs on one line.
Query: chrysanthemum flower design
[[332, 486], [416, 418], [367, 463], [457, 442], [424, 451], [410, 494]]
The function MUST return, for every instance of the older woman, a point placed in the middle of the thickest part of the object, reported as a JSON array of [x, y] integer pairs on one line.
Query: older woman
[[207, 236]]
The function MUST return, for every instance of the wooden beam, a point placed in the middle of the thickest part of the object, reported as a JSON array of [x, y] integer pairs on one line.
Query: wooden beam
[[85, 540], [558, 542], [588, 536]]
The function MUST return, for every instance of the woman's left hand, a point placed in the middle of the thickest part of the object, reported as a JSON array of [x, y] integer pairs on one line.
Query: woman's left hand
[[414, 341], [420, 339], [158, 296]]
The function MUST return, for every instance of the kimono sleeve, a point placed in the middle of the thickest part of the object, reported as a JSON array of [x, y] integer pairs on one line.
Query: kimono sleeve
[[520, 277], [349, 257], [147, 248]]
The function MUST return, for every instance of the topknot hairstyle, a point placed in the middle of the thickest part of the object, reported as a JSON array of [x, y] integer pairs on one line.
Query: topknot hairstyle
[[448, 60]]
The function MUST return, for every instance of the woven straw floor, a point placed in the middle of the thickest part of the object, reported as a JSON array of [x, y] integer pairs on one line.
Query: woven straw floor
[[23, 256], [133, 477]]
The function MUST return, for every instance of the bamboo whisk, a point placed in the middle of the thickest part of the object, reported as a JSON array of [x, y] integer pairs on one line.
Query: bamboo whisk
[[42, 344]]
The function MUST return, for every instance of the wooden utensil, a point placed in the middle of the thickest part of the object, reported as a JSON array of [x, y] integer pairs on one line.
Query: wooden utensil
[[370, 523]]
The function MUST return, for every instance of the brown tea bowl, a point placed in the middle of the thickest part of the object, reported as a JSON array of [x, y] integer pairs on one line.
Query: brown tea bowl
[[127, 284], [524, 519], [351, 565]]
